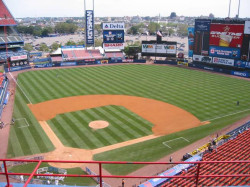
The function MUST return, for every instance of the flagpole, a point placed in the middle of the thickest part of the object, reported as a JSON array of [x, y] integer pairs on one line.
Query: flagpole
[[229, 8], [239, 9]]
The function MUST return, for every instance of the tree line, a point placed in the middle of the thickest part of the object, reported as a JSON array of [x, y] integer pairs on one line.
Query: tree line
[[60, 28]]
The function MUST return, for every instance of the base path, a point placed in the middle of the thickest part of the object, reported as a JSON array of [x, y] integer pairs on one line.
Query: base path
[[166, 118]]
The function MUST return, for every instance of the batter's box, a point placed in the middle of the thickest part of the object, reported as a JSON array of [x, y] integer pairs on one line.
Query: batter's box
[[167, 143], [21, 123]]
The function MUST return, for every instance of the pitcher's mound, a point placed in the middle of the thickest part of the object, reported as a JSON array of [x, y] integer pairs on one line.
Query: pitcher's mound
[[98, 124]]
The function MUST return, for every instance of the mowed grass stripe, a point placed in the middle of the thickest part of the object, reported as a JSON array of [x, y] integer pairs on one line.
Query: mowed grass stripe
[[81, 128], [36, 138], [102, 135], [58, 127], [117, 126], [109, 130], [144, 128], [89, 135]]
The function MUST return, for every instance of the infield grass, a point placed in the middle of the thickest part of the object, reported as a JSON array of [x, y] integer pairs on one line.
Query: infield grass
[[205, 95]]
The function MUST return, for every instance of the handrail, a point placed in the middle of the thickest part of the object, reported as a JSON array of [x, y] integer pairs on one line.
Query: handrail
[[197, 176]]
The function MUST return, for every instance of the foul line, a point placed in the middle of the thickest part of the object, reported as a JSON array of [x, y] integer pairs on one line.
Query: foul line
[[228, 115], [165, 143], [19, 119], [20, 88]]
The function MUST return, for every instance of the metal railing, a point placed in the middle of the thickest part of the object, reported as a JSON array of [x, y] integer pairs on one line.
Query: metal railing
[[197, 176]]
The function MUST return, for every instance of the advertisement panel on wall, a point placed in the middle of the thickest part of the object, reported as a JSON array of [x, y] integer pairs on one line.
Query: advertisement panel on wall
[[113, 26], [113, 36], [159, 48], [223, 61], [224, 52], [113, 45], [247, 27], [201, 58], [190, 41], [89, 16], [16, 58], [226, 35], [202, 25], [242, 64]]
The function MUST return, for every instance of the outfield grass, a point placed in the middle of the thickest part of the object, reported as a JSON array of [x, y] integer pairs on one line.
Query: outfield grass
[[205, 95]]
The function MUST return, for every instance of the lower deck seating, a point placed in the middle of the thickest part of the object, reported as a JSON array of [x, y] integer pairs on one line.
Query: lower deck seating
[[234, 150]]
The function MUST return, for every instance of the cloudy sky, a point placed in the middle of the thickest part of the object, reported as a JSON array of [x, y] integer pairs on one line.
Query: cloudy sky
[[112, 8]]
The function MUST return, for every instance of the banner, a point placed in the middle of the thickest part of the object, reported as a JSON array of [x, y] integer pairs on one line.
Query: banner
[[242, 64], [17, 63], [113, 36], [226, 35], [170, 172], [240, 73], [223, 61], [202, 25], [190, 41], [16, 58], [90, 37], [113, 45], [247, 27], [201, 58], [224, 52], [113, 26], [159, 48]]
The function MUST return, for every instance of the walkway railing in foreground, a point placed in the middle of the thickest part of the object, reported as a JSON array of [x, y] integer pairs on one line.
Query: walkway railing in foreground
[[197, 176]]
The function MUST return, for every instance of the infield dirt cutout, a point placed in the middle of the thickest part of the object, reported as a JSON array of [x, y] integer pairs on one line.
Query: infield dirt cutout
[[166, 118]]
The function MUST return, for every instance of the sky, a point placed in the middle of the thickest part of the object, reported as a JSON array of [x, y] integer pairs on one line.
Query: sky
[[120, 8]]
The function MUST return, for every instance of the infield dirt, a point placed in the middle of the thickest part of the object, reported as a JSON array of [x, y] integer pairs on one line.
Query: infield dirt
[[166, 118]]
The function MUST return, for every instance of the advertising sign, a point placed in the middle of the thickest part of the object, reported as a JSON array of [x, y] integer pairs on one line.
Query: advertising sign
[[224, 52], [201, 58], [16, 58], [72, 46], [223, 61], [247, 27], [240, 73], [202, 25], [113, 45], [242, 64], [90, 37], [226, 35], [113, 36], [159, 48], [190, 41], [17, 63], [113, 26]]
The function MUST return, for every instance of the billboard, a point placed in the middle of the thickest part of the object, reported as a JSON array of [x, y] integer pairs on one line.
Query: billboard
[[224, 52], [190, 41], [226, 35], [223, 61], [247, 27], [113, 36], [113, 45], [202, 25], [201, 58], [16, 58], [159, 49], [90, 37], [113, 26]]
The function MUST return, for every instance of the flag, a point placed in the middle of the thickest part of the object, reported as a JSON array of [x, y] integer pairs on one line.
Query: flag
[[159, 33]]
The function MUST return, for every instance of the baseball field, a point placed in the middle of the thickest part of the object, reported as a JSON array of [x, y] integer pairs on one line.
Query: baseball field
[[150, 111]]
